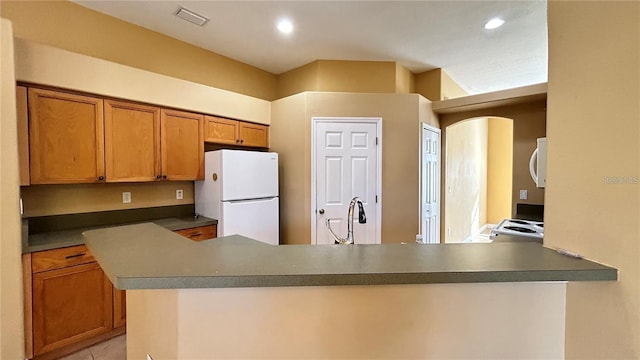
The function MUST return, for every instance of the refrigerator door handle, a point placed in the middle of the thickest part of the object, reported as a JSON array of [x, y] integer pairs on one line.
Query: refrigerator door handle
[[252, 200]]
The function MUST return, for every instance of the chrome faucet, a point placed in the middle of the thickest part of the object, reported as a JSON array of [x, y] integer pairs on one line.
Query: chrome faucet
[[362, 219]]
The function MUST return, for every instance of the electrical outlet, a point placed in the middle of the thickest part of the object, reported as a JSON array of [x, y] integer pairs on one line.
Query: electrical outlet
[[523, 194], [179, 194], [126, 197]]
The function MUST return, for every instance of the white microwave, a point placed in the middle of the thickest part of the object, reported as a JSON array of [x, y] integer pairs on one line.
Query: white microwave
[[538, 163]]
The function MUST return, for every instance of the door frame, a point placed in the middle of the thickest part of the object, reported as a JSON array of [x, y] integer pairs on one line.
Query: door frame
[[425, 126], [347, 119]]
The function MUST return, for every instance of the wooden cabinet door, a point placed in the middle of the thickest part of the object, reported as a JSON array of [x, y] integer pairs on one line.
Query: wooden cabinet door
[[182, 145], [132, 142], [222, 131], [23, 134], [69, 305], [119, 308], [254, 135], [66, 139]]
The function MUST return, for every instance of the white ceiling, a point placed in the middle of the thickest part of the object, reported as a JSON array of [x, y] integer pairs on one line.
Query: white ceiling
[[420, 35]]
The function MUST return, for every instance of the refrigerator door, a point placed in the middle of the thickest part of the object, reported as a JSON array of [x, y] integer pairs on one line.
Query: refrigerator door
[[256, 219], [248, 175]]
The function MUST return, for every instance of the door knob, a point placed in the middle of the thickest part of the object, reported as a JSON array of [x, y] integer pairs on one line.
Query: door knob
[[321, 211]]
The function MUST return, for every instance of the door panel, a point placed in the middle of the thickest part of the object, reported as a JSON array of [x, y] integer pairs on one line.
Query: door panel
[[222, 131], [69, 305], [132, 141], [346, 166], [430, 186], [257, 177], [254, 135], [256, 219], [182, 145], [65, 137]]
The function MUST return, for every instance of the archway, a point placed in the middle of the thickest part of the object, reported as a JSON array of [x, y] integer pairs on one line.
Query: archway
[[478, 176]]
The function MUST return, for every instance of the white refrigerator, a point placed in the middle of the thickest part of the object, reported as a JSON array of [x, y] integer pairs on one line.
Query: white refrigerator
[[240, 190]]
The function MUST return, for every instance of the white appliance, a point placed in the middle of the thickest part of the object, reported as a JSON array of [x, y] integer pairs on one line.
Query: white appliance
[[538, 163], [518, 230], [240, 190]]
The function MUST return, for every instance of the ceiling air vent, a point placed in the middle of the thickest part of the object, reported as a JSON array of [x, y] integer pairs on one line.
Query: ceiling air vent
[[190, 16]]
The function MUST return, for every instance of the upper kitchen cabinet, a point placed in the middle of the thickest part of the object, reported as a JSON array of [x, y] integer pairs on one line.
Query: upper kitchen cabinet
[[221, 131], [234, 132], [132, 142], [23, 134], [66, 139], [182, 140], [254, 135]]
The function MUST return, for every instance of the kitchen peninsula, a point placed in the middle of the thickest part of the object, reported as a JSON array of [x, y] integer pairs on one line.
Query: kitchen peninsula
[[236, 297]]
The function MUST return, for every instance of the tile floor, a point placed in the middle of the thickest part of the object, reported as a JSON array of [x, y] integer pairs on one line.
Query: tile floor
[[112, 349]]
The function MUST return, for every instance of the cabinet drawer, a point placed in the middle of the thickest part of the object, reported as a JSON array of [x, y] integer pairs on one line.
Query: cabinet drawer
[[60, 258], [199, 233]]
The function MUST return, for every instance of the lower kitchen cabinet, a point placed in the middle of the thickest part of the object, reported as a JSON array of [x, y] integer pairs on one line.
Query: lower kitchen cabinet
[[199, 233], [69, 305], [119, 308], [69, 302]]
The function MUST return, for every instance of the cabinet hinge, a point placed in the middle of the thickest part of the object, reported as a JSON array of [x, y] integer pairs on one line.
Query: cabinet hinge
[[376, 199], [376, 140]]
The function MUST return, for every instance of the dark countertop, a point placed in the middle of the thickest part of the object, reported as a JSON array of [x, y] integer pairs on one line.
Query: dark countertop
[[58, 239], [146, 256]]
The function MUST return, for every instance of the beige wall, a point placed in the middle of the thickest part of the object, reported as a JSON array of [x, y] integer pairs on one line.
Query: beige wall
[[593, 194], [529, 123], [466, 179], [69, 26], [44, 200], [428, 84], [347, 76], [42, 64], [304, 78], [437, 85], [499, 169], [449, 88], [527, 128], [405, 80], [357, 76], [11, 310], [291, 137], [436, 321]]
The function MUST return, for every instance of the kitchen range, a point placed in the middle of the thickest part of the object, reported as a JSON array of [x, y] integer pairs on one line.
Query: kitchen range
[[517, 230]]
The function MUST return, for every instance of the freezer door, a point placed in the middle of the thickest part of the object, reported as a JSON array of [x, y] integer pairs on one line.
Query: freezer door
[[248, 174], [256, 219]]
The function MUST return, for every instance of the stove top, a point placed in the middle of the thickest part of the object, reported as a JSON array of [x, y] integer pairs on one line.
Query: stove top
[[518, 227]]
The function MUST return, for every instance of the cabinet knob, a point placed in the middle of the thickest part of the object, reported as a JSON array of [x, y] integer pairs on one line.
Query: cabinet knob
[[321, 211], [164, 176], [241, 141], [101, 178], [158, 176]]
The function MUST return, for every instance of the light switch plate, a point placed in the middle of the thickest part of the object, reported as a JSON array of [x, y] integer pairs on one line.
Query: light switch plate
[[126, 197], [523, 194]]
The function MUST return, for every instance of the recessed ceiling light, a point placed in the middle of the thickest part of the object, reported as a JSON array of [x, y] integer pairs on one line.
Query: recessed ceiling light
[[190, 16], [494, 23], [285, 26]]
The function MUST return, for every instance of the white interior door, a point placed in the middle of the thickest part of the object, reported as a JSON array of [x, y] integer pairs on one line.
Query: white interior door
[[430, 185], [346, 165]]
